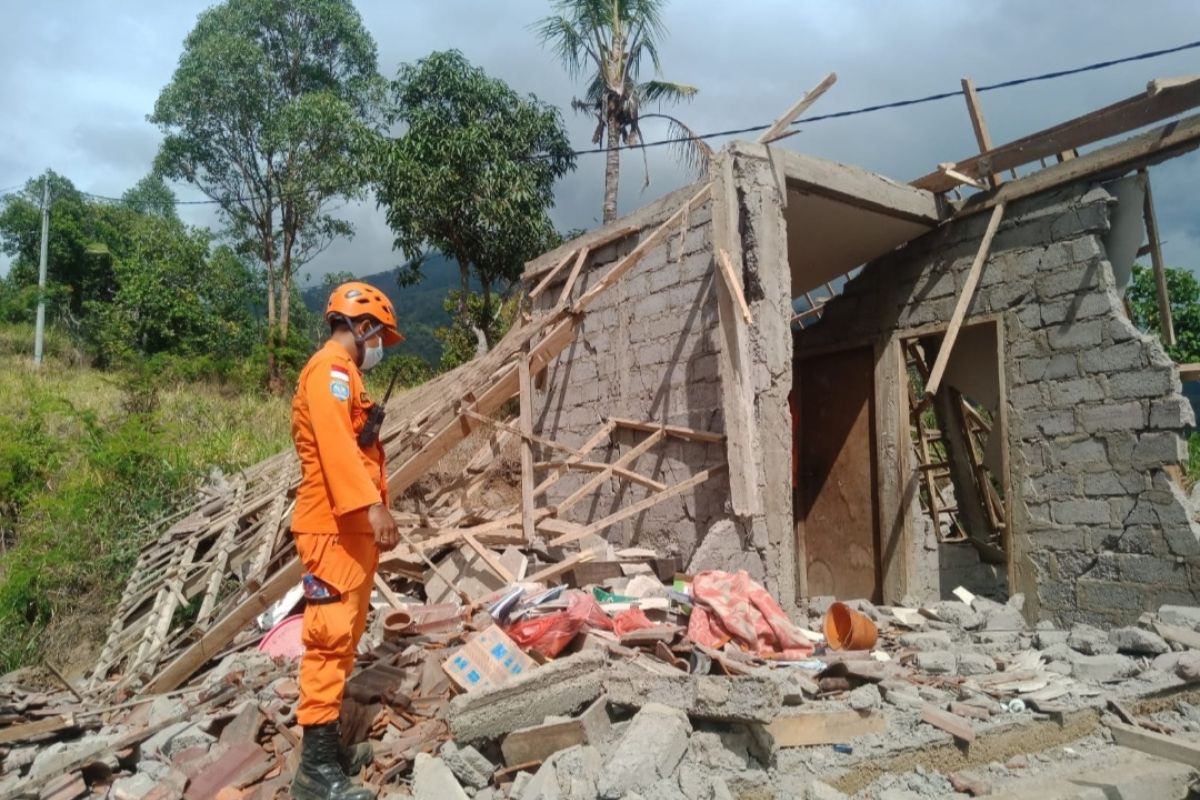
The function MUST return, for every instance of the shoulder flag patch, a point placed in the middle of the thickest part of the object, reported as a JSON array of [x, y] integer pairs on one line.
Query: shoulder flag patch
[[339, 373]]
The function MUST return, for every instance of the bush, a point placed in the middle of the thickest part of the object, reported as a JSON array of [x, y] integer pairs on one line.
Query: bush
[[88, 462]]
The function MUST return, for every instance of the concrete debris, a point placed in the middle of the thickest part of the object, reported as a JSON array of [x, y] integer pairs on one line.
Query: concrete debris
[[865, 697], [468, 765], [650, 750], [1138, 642], [433, 780], [667, 719], [1090, 641], [745, 699]]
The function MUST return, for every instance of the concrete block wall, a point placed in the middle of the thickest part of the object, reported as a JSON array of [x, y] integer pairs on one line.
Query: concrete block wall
[[646, 351], [1101, 532]]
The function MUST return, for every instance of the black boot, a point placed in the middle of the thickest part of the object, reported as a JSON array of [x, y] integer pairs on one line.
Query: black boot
[[352, 759], [320, 776]]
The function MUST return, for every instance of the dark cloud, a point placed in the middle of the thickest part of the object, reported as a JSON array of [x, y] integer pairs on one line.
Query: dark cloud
[[78, 78]]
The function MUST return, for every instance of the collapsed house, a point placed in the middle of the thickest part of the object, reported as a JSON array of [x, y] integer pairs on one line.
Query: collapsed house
[[1047, 464], [844, 386], [737, 375]]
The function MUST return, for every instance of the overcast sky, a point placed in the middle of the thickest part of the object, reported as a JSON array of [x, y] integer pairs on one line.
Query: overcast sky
[[78, 77]]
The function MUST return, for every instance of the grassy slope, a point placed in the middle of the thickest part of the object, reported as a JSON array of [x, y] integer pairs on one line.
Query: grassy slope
[[87, 461]]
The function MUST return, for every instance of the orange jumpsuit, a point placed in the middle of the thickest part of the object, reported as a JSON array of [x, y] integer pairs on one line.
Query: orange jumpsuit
[[339, 482]]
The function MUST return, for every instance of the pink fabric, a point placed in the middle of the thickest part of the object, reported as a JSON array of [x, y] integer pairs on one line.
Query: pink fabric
[[729, 606], [632, 620]]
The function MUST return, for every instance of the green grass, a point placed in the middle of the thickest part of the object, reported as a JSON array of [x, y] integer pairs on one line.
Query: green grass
[[88, 460]]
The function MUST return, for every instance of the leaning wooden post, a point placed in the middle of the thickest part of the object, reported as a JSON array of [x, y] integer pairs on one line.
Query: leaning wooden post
[[1165, 322], [526, 393], [964, 302]]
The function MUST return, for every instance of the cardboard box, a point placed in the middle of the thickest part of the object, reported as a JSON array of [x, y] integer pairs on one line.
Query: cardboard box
[[489, 658]]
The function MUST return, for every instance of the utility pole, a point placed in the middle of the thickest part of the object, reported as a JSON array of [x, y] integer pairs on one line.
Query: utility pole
[[41, 309]]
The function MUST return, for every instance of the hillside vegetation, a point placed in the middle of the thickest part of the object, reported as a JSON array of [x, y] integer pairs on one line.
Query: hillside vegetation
[[88, 461]]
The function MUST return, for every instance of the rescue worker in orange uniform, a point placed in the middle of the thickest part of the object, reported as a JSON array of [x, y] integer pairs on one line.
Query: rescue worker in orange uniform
[[340, 522]]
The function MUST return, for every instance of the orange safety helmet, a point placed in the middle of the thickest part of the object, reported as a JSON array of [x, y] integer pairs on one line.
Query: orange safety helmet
[[356, 299]]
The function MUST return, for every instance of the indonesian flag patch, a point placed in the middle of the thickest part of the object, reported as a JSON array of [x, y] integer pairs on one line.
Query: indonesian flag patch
[[339, 383]]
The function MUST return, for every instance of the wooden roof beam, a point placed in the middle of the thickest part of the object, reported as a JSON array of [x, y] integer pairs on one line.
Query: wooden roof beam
[[1121, 117], [1151, 147]]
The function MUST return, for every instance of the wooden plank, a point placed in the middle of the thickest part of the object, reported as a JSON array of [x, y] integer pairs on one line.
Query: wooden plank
[[453, 432], [781, 125], [491, 559], [1156, 744], [560, 526], [642, 505], [600, 466], [953, 724], [1157, 85], [590, 486], [1159, 144], [526, 395], [826, 727], [566, 565], [541, 287], [218, 637], [1189, 372], [678, 431], [1113, 120], [964, 301], [28, 730], [655, 238], [517, 431], [979, 124], [554, 343], [735, 286], [569, 285], [592, 240], [542, 741], [602, 433], [1166, 325], [949, 171]]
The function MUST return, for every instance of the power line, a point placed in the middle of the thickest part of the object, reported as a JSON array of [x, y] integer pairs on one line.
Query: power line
[[1045, 76]]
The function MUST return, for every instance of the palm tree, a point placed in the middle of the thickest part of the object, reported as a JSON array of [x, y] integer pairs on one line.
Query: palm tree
[[606, 40]]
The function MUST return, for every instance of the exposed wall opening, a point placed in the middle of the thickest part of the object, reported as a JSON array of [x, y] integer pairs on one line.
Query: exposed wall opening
[[959, 458]]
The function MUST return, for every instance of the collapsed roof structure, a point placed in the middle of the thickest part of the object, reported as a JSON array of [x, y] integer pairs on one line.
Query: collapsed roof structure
[[843, 384]]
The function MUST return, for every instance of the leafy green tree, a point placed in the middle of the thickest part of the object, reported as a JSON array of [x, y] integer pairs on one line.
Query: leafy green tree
[[472, 176], [268, 113], [74, 271], [151, 195], [605, 42], [1184, 290]]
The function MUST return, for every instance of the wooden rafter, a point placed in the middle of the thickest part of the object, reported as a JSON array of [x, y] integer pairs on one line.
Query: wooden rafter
[[1114, 120]]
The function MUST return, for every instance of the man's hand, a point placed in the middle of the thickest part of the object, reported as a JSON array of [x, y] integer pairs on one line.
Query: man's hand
[[383, 526]]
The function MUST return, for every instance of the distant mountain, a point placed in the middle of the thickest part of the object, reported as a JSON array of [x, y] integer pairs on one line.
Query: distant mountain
[[418, 308]]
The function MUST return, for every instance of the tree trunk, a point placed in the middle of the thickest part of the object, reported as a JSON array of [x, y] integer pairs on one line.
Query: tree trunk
[[612, 167], [285, 298], [489, 331], [274, 379], [464, 275]]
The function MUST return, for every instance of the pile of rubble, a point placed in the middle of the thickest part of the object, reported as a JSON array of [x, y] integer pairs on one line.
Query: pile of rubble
[[619, 691]]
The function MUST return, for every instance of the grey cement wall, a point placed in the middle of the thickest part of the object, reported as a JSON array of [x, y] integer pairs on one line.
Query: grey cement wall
[[647, 350], [1096, 419]]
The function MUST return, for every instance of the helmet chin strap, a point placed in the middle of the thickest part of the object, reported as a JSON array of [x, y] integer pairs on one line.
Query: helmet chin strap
[[360, 340]]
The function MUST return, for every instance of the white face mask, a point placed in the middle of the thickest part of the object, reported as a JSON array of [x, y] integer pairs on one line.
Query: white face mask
[[372, 355]]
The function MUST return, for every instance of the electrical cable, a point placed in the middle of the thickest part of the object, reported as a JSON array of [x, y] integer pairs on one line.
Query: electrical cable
[[1045, 76]]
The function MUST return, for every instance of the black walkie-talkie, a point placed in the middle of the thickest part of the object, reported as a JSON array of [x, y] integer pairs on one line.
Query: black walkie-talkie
[[369, 434]]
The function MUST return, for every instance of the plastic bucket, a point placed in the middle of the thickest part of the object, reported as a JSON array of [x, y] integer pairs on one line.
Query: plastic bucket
[[846, 629]]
